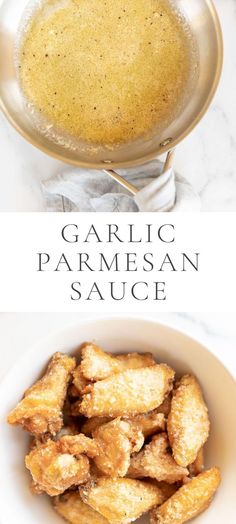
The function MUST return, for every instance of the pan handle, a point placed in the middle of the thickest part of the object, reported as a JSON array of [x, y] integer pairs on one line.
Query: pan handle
[[132, 189]]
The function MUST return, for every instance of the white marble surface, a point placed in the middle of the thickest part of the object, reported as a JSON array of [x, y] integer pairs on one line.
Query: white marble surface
[[20, 331], [207, 158]]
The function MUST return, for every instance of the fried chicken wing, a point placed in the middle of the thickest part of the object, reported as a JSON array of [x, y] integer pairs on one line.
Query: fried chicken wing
[[98, 365], [79, 381], [71, 507], [121, 501], [78, 444], [93, 423], [129, 393], [189, 501], [135, 361], [40, 411], [188, 422], [149, 423], [116, 441], [156, 461], [54, 471]]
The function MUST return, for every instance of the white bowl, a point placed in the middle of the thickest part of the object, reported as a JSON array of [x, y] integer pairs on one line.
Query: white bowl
[[17, 504]]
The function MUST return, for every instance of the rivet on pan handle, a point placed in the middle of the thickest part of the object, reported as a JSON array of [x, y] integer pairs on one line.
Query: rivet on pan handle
[[132, 189]]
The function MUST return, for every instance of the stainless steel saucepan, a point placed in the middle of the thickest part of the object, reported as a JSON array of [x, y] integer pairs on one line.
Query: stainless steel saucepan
[[205, 25]]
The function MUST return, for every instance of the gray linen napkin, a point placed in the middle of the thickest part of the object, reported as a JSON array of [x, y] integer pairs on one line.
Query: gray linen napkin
[[91, 190]]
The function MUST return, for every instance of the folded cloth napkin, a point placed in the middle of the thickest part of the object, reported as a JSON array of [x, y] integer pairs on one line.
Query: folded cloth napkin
[[90, 190]]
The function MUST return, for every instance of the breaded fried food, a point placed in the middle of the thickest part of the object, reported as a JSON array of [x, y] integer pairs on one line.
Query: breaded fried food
[[189, 501], [40, 411], [116, 441], [93, 423], [188, 421], [71, 507], [79, 381], [121, 501], [129, 393], [98, 365], [156, 461], [78, 444], [54, 471], [149, 423], [135, 361]]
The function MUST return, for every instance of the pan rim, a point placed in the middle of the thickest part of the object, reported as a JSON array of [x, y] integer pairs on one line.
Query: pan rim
[[145, 158]]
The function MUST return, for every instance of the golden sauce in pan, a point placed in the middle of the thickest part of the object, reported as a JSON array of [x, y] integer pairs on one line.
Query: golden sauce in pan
[[106, 71]]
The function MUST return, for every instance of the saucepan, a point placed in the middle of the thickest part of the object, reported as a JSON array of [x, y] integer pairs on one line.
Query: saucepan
[[205, 26]]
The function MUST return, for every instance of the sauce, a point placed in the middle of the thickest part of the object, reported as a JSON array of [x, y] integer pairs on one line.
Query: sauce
[[107, 71]]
